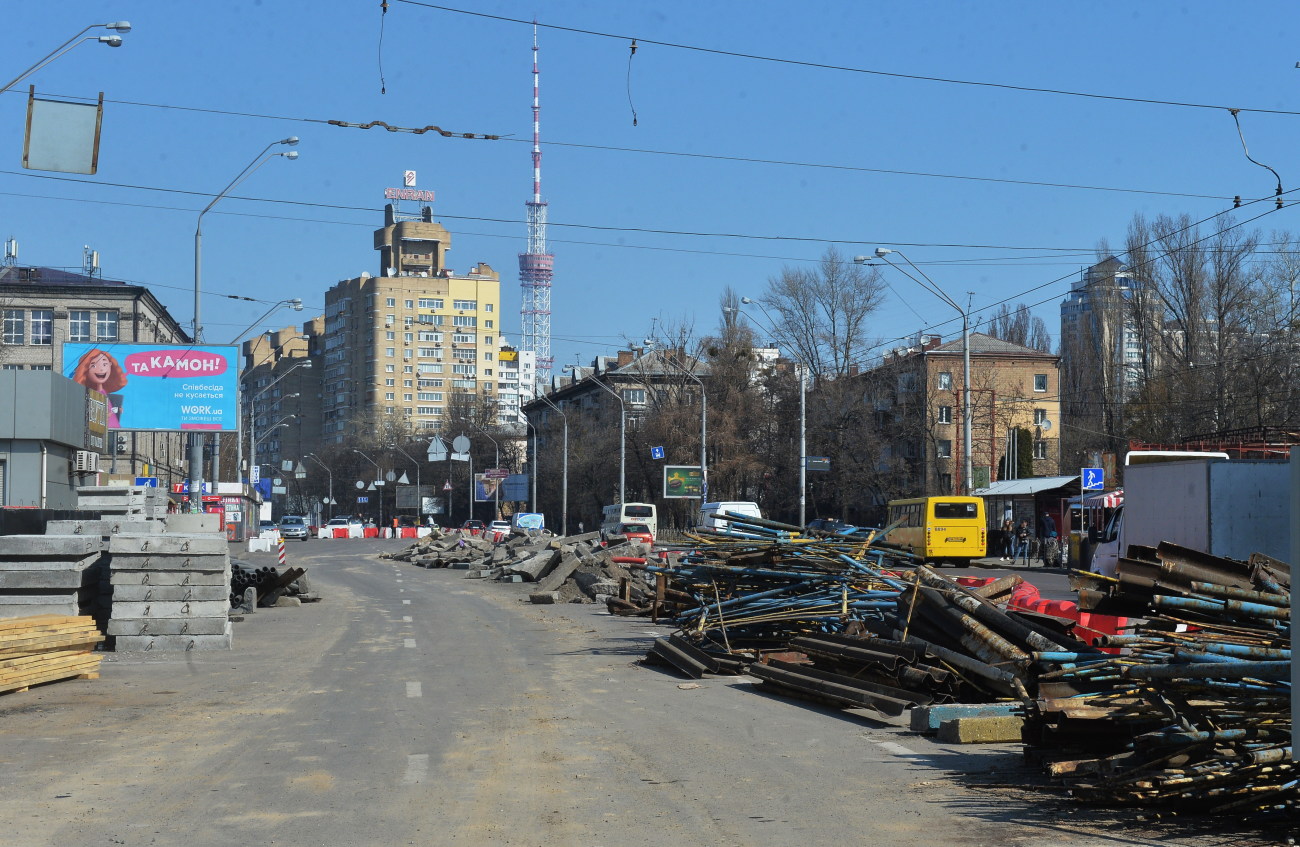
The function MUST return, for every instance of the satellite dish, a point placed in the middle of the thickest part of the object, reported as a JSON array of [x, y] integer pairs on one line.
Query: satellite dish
[[360, 484], [1046, 425], [460, 444]]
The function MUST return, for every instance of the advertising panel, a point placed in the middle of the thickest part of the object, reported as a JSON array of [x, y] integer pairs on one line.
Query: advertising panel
[[682, 481], [485, 487], [164, 387]]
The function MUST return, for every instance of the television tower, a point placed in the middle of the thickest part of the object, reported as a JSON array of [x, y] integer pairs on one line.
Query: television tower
[[537, 266]]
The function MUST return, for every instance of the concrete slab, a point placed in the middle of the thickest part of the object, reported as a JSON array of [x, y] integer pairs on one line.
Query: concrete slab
[[171, 609], [927, 719], [990, 730], [180, 593], [169, 626]]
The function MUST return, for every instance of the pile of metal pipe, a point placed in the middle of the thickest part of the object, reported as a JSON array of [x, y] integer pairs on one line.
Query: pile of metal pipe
[[1193, 714]]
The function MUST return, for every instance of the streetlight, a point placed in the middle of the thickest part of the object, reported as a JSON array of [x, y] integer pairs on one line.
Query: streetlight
[[933, 288], [622, 432], [379, 479], [294, 303], [312, 456], [110, 40], [803, 413], [532, 468], [419, 493], [196, 440], [704, 421], [252, 412], [564, 488]]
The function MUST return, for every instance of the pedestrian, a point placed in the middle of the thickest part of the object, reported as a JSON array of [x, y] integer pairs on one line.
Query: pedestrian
[[1046, 532], [1008, 538], [1022, 544], [580, 527]]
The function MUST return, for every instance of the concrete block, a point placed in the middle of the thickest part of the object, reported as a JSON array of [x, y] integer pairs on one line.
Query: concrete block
[[171, 609], [180, 593], [66, 607], [169, 626], [173, 643], [926, 719], [201, 563], [69, 579], [192, 545], [990, 730], [190, 524], [143, 577], [22, 547], [553, 580], [285, 602], [545, 598]]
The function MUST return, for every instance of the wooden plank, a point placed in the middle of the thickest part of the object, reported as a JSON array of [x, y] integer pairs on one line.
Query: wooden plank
[[49, 676]]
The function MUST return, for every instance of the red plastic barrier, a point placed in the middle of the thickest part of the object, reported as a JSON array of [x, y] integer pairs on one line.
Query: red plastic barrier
[[409, 532], [1088, 627], [370, 532], [340, 532]]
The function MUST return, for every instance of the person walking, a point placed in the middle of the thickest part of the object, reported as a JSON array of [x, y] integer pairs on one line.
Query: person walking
[[1047, 546], [1008, 538], [1022, 544]]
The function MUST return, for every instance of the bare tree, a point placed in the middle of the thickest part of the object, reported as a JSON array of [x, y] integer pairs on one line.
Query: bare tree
[[1017, 326]]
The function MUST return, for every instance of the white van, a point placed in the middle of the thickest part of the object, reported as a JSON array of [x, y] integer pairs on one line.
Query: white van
[[740, 507]]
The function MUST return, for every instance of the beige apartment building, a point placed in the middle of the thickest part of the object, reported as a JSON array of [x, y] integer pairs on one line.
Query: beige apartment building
[[402, 349]]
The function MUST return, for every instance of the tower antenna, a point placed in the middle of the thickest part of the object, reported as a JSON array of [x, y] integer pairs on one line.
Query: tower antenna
[[536, 265]]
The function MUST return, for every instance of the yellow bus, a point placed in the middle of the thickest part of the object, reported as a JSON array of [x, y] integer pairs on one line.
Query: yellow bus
[[939, 529]]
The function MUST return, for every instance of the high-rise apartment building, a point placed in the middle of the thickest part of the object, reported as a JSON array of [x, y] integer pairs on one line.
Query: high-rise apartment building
[[1102, 341], [413, 344], [516, 383]]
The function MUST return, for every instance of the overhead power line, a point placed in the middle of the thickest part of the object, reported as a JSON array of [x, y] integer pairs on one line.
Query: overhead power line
[[1030, 89]]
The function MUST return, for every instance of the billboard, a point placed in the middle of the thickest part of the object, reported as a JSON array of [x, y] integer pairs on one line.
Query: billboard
[[485, 487], [683, 481], [160, 386]]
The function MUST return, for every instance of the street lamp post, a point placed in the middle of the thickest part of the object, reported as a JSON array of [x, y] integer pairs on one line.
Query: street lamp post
[[622, 435], [379, 480], [296, 304], [532, 468], [564, 488], [802, 370], [933, 288], [419, 493], [110, 40], [196, 441], [313, 457]]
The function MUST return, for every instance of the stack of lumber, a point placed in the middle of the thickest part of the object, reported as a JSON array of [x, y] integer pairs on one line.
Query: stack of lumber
[[170, 592], [47, 648]]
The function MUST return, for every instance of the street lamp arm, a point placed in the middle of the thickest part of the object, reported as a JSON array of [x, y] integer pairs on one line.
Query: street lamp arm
[[294, 303], [111, 40]]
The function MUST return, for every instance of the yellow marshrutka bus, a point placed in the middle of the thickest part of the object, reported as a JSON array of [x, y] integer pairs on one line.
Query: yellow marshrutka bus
[[940, 529]]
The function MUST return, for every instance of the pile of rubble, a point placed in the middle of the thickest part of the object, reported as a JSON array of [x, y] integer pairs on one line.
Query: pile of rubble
[[569, 569]]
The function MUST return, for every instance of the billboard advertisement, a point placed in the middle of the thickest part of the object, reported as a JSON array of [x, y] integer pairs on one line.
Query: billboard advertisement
[[683, 481], [160, 386], [485, 487]]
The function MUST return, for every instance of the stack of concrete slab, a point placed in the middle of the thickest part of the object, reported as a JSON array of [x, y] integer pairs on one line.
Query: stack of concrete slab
[[50, 575], [137, 500], [170, 591]]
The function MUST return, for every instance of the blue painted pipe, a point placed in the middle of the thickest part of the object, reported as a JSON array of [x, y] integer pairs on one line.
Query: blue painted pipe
[[1255, 610]]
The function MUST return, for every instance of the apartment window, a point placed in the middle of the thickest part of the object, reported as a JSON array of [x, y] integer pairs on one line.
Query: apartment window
[[435, 337], [431, 383], [106, 326], [406, 383], [390, 369], [487, 307], [430, 369], [943, 448], [408, 337], [15, 327], [410, 304], [407, 369], [1040, 417], [13, 367], [78, 326], [436, 320], [428, 352], [487, 372], [487, 324], [390, 302], [390, 336], [487, 357], [945, 381], [43, 327], [1040, 449], [486, 386], [463, 369], [462, 338], [464, 320], [635, 396], [388, 395], [431, 397], [945, 414], [406, 397], [42, 367], [389, 320], [1040, 382], [407, 354], [464, 305], [463, 355], [390, 351], [906, 383], [487, 339], [408, 320], [391, 381], [430, 303], [426, 410]]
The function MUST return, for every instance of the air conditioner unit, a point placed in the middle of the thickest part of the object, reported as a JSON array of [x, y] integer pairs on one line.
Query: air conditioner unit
[[86, 461]]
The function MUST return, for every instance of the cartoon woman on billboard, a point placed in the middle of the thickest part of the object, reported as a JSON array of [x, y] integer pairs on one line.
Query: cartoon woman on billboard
[[99, 371]]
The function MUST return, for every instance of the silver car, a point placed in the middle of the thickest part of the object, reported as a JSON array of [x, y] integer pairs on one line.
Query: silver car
[[294, 526]]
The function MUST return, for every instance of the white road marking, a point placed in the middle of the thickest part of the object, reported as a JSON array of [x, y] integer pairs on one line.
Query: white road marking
[[406, 602], [401, 591], [399, 580], [407, 619], [896, 749], [409, 642], [417, 768], [413, 690]]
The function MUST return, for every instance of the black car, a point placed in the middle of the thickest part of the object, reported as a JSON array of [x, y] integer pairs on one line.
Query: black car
[[829, 525]]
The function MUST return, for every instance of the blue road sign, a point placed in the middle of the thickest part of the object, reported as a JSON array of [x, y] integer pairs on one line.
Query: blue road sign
[[1094, 479], [656, 452], [363, 499], [147, 481]]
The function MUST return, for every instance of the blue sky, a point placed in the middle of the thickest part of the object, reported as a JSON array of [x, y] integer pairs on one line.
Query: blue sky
[[298, 63]]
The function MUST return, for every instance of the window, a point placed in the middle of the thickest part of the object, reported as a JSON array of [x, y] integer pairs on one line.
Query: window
[[487, 324], [15, 332], [464, 305], [431, 397], [1040, 449], [390, 369], [13, 367], [635, 396], [464, 320], [1040, 382], [407, 354], [390, 351], [487, 357], [408, 320], [435, 337], [943, 448], [906, 383], [407, 369], [945, 381], [390, 302], [106, 326], [389, 320], [945, 414], [406, 383], [406, 397], [410, 304], [43, 327], [390, 336], [462, 338], [430, 353], [463, 355], [1040, 417], [78, 326], [408, 337], [426, 410], [487, 339], [391, 381], [388, 395], [430, 303], [436, 320], [430, 369], [467, 370], [955, 511], [431, 383]]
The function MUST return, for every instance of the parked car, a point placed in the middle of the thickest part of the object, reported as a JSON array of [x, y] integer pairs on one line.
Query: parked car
[[830, 525], [294, 526], [267, 526], [502, 527], [636, 532], [343, 522], [472, 526]]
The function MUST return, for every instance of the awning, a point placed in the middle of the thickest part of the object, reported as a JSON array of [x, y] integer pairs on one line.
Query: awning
[[1023, 487], [1105, 499]]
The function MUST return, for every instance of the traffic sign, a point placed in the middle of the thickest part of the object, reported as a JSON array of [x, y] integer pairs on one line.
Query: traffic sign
[[147, 481], [1094, 479], [496, 473], [656, 452], [817, 463], [446, 486], [363, 499], [255, 474]]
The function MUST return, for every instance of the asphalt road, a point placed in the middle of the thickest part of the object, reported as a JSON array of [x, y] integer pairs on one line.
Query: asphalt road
[[415, 706]]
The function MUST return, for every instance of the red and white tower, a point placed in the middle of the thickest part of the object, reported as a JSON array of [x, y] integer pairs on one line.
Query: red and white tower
[[536, 266]]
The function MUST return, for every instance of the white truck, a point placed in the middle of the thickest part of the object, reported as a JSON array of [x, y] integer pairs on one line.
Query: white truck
[[739, 507], [1221, 507]]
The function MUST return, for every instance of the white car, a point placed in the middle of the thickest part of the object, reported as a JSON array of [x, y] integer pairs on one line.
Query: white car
[[499, 526]]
